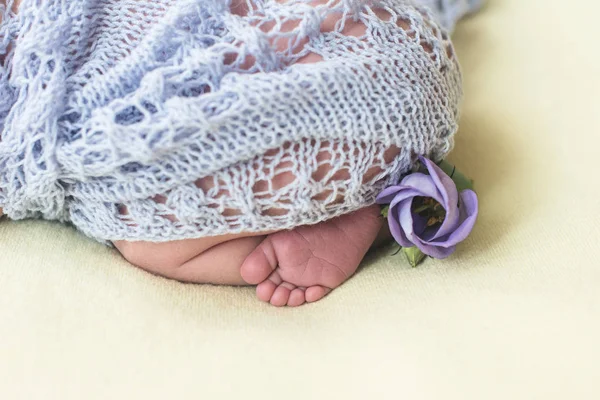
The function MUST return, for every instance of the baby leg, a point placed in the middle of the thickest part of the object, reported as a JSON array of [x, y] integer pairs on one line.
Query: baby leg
[[210, 260]]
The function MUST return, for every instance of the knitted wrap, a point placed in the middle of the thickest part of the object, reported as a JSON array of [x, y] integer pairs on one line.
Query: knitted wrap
[[145, 120]]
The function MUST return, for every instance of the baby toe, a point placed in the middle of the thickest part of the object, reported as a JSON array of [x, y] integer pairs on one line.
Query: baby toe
[[316, 293], [265, 290], [282, 294], [297, 298]]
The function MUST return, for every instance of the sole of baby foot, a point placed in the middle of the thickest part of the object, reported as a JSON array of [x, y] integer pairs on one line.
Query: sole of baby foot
[[303, 265]]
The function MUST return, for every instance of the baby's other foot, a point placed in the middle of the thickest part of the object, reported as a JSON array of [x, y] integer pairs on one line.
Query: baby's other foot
[[305, 264]]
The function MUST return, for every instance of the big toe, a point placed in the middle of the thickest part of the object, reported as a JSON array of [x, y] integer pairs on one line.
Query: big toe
[[257, 267]]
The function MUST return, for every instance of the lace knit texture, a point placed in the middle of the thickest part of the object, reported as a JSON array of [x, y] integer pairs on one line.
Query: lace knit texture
[[143, 120]]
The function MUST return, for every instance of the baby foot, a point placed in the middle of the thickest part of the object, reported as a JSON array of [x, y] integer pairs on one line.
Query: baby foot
[[305, 264]]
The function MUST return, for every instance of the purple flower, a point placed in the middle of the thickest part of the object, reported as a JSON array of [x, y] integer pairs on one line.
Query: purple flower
[[427, 211]]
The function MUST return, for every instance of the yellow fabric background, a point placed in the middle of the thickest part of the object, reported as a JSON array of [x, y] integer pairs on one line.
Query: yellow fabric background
[[515, 314]]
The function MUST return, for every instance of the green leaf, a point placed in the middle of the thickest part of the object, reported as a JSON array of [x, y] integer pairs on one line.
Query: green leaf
[[384, 211], [461, 181], [414, 255]]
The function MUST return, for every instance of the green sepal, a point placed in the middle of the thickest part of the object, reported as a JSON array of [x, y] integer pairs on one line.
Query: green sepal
[[413, 255], [384, 211], [461, 181]]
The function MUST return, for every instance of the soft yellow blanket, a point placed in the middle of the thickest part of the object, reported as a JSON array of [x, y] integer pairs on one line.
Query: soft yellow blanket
[[515, 314]]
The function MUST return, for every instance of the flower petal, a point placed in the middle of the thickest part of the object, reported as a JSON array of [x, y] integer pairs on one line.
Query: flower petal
[[387, 195], [424, 184], [400, 193], [469, 211], [469, 203], [443, 182], [405, 217], [434, 251], [395, 228], [447, 189], [450, 223], [419, 224], [429, 233]]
